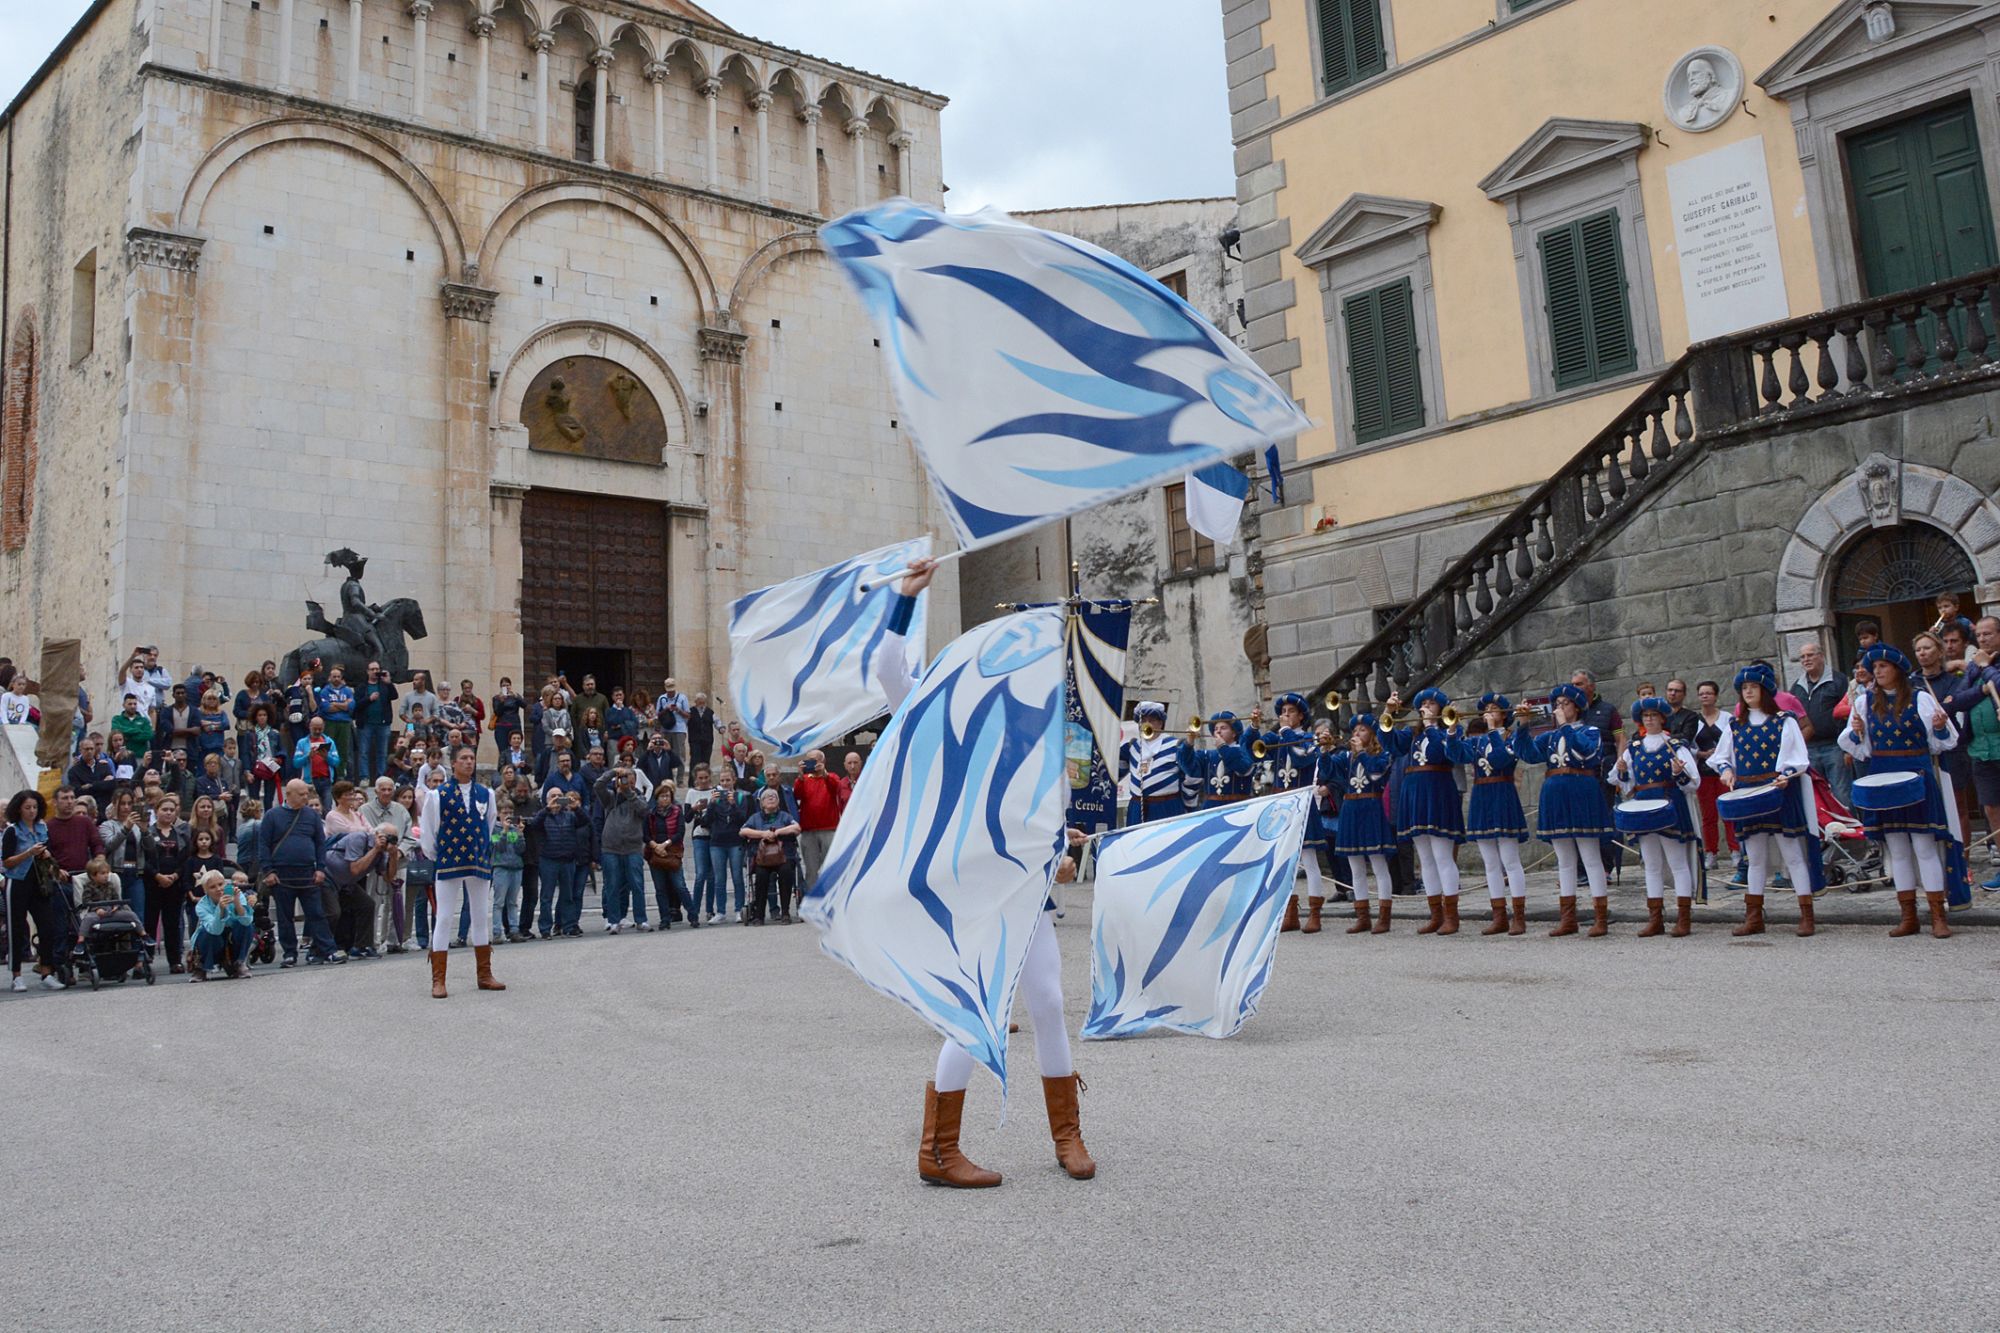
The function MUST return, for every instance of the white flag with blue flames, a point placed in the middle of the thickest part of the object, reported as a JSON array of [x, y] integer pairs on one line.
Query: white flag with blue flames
[[1185, 917], [1041, 375], [802, 653], [938, 874]]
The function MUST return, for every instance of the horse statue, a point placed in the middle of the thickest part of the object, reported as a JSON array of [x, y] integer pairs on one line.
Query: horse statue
[[400, 621]]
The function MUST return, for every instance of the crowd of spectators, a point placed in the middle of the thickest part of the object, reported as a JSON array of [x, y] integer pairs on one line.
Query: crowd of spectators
[[228, 824]]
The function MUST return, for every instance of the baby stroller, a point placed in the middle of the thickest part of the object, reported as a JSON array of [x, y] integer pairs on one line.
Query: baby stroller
[[110, 949], [1848, 859]]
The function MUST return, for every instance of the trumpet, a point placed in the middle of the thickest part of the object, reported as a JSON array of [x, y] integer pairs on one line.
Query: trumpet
[[1197, 724], [1258, 749], [1326, 740], [1524, 712], [1148, 730], [1449, 717], [1402, 719], [1333, 703]]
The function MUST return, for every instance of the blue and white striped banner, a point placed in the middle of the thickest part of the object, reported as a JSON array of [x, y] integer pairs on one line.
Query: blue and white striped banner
[[1041, 375], [1186, 914], [802, 654], [936, 878]]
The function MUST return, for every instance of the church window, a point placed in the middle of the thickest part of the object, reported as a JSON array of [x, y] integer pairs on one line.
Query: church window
[[1587, 301], [1384, 361], [83, 307], [586, 120], [1352, 43]]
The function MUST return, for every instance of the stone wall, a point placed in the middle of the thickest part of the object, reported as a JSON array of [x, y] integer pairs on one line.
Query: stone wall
[[1689, 587]]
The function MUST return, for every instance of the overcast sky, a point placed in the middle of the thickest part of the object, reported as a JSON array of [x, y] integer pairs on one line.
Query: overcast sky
[[1053, 102]]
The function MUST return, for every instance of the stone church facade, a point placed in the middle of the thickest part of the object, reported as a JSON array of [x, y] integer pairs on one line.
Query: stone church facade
[[519, 299]]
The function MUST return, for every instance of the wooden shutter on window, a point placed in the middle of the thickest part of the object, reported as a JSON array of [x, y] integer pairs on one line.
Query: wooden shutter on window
[[1350, 42], [1382, 361], [1589, 314]]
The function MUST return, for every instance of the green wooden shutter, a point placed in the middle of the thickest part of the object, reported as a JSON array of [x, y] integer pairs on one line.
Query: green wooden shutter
[[1350, 42], [1371, 53], [1335, 69], [1586, 301], [1383, 368]]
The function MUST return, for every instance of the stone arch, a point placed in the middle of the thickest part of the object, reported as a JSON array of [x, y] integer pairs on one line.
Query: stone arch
[[585, 337], [643, 37], [272, 133], [532, 201], [1882, 492], [19, 451], [768, 256], [592, 26]]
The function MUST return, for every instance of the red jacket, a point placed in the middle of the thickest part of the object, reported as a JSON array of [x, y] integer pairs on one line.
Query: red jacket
[[818, 797]]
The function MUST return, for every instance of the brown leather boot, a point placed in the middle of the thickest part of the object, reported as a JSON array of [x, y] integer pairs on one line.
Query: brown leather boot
[[438, 959], [1655, 924], [1382, 917], [1908, 925], [1450, 926], [1362, 924], [1517, 919], [1683, 917], [1600, 918], [482, 958], [1499, 924], [1291, 914], [1939, 930], [1753, 915], [939, 1162], [1432, 926], [1806, 925], [1312, 925], [1565, 917], [1060, 1094]]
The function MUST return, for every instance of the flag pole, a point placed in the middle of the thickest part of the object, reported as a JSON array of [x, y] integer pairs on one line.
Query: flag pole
[[939, 560]]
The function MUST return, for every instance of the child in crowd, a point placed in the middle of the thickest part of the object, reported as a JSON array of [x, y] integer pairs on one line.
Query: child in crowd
[[507, 865]]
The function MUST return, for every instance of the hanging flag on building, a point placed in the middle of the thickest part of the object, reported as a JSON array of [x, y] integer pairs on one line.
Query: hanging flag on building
[[936, 878], [1185, 916], [802, 654], [1276, 473], [1041, 375], [1095, 703], [1215, 496]]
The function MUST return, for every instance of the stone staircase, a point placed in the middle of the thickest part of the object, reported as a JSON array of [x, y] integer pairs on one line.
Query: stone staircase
[[1851, 361]]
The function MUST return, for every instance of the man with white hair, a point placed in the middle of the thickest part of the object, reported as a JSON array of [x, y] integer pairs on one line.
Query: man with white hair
[[386, 878]]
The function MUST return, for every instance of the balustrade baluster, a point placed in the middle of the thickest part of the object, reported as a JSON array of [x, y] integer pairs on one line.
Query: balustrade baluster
[[1828, 374], [1524, 564], [1947, 345], [1637, 439], [1797, 383], [1503, 581], [1975, 327], [1884, 370], [1914, 352], [1767, 382], [1482, 596], [1461, 612], [1857, 359], [1545, 542], [1614, 476], [1683, 423], [1381, 677], [1593, 499]]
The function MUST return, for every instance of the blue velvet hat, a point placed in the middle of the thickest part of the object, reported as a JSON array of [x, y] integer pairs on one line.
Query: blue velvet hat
[[1432, 695], [1150, 708], [1235, 727], [1653, 703], [1361, 720], [1495, 699], [1762, 675], [1883, 652], [1569, 692], [1297, 701]]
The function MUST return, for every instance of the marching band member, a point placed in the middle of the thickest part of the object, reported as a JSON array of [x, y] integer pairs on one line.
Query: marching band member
[[1765, 745], [1291, 759], [1573, 811], [1362, 832], [1150, 768], [1494, 820], [1427, 804], [1901, 731], [1656, 767], [1220, 775]]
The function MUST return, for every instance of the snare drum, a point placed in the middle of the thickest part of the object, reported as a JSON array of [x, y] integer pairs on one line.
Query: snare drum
[[1879, 793], [1637, 817], [1750, 803]]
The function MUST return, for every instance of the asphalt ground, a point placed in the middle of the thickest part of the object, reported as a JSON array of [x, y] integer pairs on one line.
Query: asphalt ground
[[718, 1129]]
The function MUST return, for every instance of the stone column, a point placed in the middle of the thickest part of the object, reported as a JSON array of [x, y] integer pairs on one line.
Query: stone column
[[285, 9], [215, 35], [656, 74], [420, 10], [760, 102], [542, 42], [903, 141], [857, 137], [722, 370], [507, 650], [482, 31], [711, 90], [467, 624], [151, 494], [810, 115], [600, 60], [353, 51]]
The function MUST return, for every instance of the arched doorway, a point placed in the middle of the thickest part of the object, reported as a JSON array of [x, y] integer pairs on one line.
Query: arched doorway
[[1893, 576]]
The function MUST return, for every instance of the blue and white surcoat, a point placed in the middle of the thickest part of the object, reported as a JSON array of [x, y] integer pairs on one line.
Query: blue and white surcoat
[[1649, 776], [1149, 775], [460, 827]]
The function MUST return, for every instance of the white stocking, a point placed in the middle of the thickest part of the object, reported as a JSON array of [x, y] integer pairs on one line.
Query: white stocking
[[1385, 886], [1496, 874], [1517, 874], [1309, 862], [1757, 850], [1930, 863], [1593, 868], [448, 895], [1794, 852], [1440, 858], [1566, 859], [1041, 991], [1653, 855]]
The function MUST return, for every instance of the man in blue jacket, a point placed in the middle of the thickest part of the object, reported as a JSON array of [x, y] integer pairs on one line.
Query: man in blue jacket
[[293, 843]]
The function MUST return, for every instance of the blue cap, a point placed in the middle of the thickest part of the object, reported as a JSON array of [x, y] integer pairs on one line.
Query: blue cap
[[1432, 695], [1495, 699], [1569, 692], [1883, 652], [1653, 703], [1150, 708], [1762, 675], [1297, 701]]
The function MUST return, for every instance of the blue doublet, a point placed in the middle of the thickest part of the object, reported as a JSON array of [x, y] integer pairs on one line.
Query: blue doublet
[[464, 841], [1216, 776], [1427, 801], [1495, 810], [1362, 827], [1572, 795], [1291, 761], [1902, 745]]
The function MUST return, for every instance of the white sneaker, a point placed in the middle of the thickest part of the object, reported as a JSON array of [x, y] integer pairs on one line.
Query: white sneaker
[[644, 928], [739, 915], [20, 983], [712, 918], [50, 983], [611, 929]]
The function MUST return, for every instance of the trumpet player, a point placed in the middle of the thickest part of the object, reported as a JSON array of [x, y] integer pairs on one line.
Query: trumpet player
[[1362, 832], [1573, 813], [1149, 768], [1291, 759], [1494, 821], [1427, 802], [1223, 774], [1655, 766]]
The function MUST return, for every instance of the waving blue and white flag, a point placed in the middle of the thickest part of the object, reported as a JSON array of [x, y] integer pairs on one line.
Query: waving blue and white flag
[[1041, 375], [802, 654], [936, 878], [1215, 496], [1186, 917]]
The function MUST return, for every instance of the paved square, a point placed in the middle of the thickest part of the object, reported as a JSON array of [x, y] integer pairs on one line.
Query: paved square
[[718, 1130]]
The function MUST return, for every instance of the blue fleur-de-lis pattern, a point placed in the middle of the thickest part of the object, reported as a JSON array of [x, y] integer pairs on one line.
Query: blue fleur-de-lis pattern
[[941, 865], [1040, 375], [1186, 913], [802, 653]]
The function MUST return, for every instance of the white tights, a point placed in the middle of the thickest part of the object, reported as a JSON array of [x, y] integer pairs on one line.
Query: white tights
[[1361, 865], [1569, 851], [1505, 877], [1914, 859], [1309, 862], [1757, 847], [445, 901], [1439, 858], [1041, 988], [1660, 856]]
